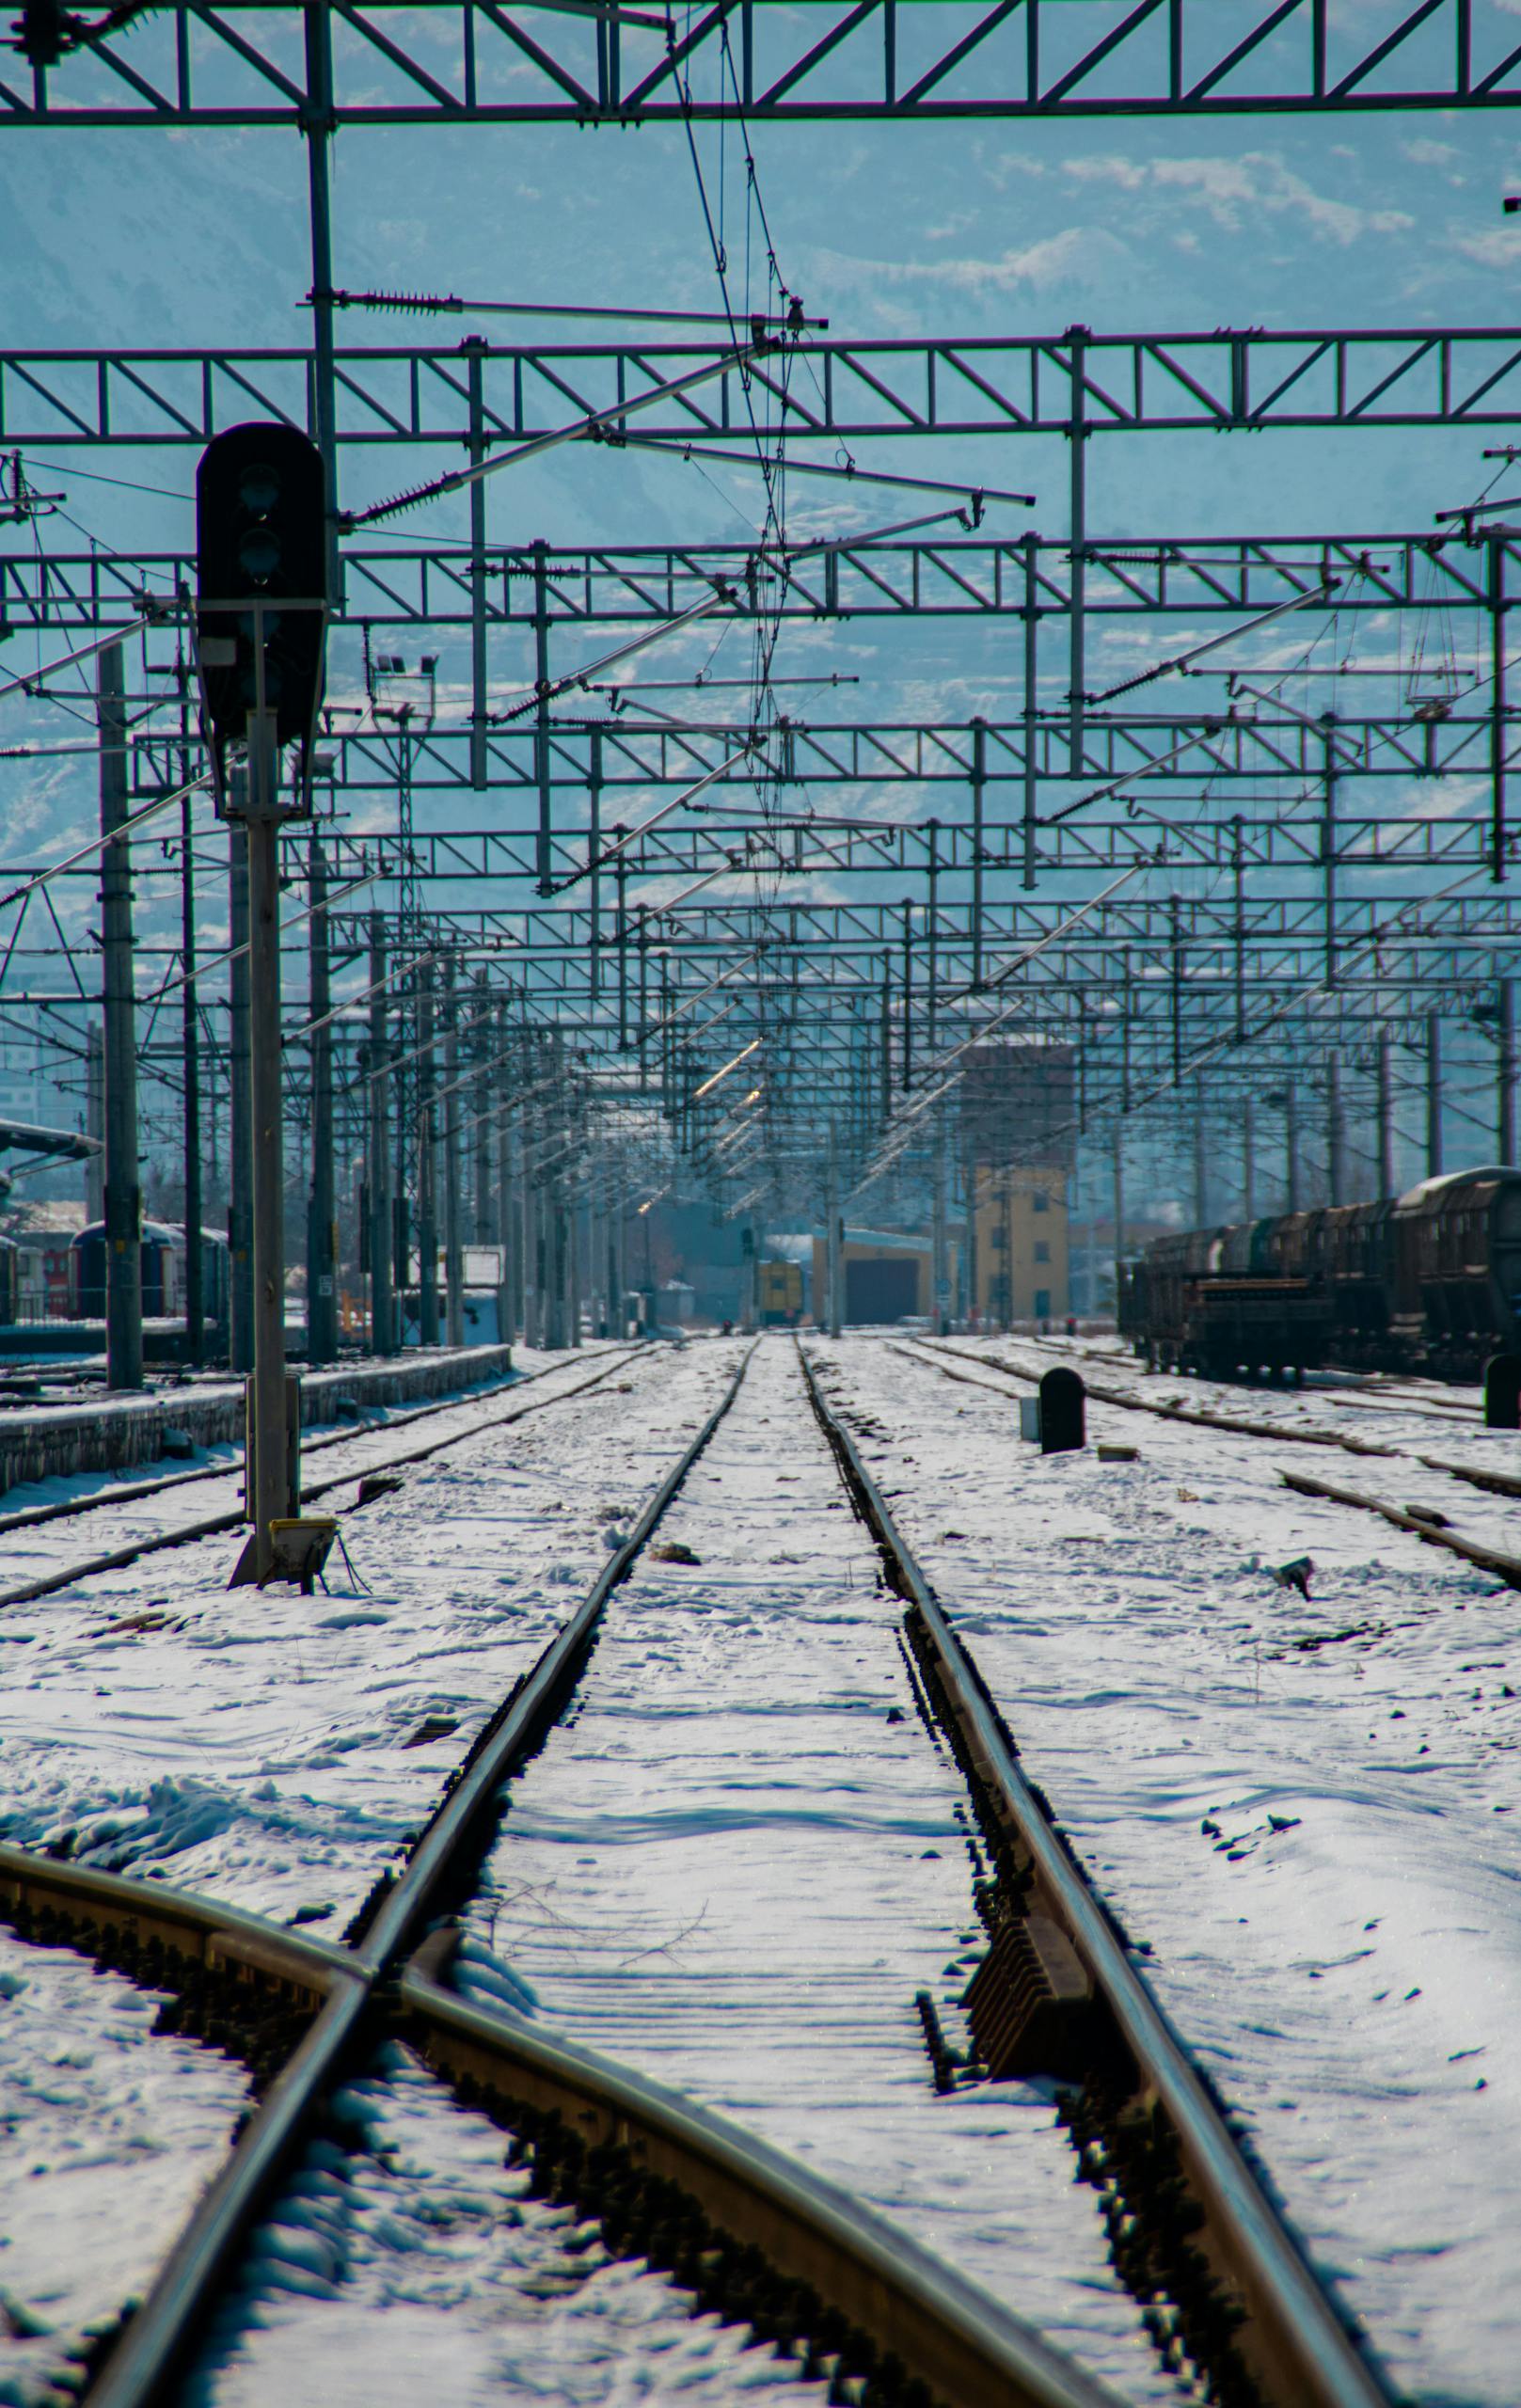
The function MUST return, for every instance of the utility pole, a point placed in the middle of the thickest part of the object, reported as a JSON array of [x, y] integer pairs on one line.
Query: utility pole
[[1336, 1135], [1119, 1212], [971, 1265], [1505, 1073], [979, 781], [381, 1231], [123, 1187], [95, 1121], [486, 1219], [1433, 1096], [541, 732], [1385, 1115], [454, 1248], [1201, 1167], [939, 1284], [190, 1063], [239, 1208], [1248, 1163], [831, 1235], [1077, 431], [322, 1220], [427, 1168]]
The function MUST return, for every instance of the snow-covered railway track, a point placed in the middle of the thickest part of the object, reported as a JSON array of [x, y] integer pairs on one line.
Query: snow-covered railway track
[[1424, 1523], [759, 2240], [153, 1540], [1194, 2228], [95, 1500]]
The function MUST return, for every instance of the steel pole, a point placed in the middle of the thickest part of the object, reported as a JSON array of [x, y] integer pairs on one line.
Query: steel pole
[[190, 1062], [1386, 1114], [124, 1185], [1433, 1096], [541, 671], [1077, 435], [382, 1215], [271, 1489], [454, 1242], [1119, 1164], [1032, 623], [239, 1203], [1336, 1135], [321, 1215], [474, 347], [427, 1168]]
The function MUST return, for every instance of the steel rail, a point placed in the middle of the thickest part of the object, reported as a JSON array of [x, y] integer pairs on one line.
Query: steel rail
[[1291, 2337], [137, 2371], [134, 1492], [1498, 1484], [1506, 1568], [155, 1543], [1197, 1415], [952, 2337], [969, 2350], [528, 1711]]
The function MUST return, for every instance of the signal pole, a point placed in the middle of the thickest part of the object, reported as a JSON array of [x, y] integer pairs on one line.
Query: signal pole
[[271, 1492], [262, 573], [239, 1235]]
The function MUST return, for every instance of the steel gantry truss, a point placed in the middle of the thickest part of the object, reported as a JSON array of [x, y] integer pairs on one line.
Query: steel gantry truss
[[483, 62]]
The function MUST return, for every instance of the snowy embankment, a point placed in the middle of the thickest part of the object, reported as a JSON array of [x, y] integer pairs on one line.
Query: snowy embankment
[[1305, 1808]]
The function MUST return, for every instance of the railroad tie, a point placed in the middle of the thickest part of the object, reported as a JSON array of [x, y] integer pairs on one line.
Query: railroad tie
[[1029, 2004]]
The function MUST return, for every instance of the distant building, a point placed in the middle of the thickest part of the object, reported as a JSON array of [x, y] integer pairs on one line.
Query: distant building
[[887, 1276], [1019, 1104], [1023, 1246]]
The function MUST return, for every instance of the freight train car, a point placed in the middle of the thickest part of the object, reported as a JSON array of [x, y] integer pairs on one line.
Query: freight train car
[[9, 1280], [164, 1273], [1430, 1280]]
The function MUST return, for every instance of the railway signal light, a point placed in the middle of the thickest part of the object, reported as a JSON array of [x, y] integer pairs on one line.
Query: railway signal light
[[262, 585]]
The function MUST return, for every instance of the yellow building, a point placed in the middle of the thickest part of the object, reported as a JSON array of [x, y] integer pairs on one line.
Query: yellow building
[[1021, 1245]]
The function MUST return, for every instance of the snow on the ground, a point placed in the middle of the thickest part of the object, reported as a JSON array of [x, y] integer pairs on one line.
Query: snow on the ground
[[1308, 1809], [1420, 1438], [741, 1854], [108, 2133], [275, 1750], [177, 1502], [405, 2260]]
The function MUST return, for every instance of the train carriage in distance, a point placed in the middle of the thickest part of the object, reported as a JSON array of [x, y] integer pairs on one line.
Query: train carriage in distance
[[779, 1295], [1429, 1280], [164, 1273]]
